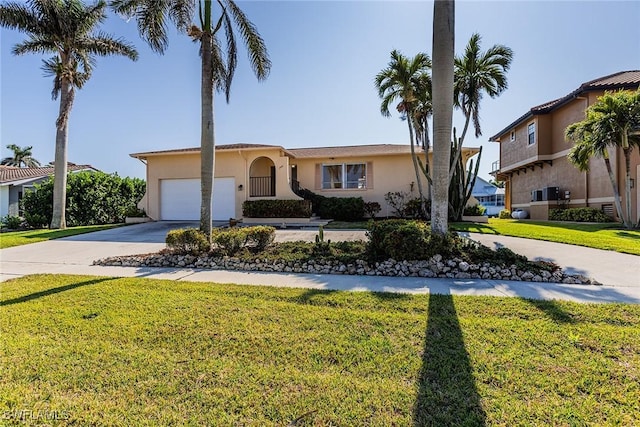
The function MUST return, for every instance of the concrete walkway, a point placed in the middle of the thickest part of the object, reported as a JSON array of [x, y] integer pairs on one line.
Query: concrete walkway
[[73, 255]]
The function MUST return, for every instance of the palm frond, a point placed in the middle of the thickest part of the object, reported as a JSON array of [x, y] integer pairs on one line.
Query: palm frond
[[18, 16], [256, 48]]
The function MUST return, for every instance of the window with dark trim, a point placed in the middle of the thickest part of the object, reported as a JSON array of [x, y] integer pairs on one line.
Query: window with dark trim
[[531, 132]]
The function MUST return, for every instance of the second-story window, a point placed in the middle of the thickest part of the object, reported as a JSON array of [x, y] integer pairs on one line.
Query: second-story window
[[512, 137], [531, 132]]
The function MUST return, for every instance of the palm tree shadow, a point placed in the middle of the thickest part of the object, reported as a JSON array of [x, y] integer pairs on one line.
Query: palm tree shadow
[[447, 394], [52, 291]]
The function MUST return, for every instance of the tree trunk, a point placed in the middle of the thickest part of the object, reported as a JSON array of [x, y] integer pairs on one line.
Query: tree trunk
[[207, 139], [628, 221], [414, 158], [58, 220], [443, 56], [616, 192]]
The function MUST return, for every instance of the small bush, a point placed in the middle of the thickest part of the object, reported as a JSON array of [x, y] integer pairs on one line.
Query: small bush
[[36, 220], [11, 222], [230, 241], [260, 237], [342, 208], [408, 242], [475, 210], [413, 209], [377, 231], [397, 200], [371, 209], [187, 241], [505, 214], [579, 215], [276, 209]]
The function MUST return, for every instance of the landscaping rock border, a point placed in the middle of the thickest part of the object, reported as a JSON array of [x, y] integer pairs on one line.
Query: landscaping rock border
[[436, 267]]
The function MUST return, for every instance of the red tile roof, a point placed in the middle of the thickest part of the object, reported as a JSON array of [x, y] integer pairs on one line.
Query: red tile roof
[[10, 174], [621, 80]]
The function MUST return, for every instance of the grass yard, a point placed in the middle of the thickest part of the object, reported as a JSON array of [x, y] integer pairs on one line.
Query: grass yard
[[598, 236], [18, 238], [104, 351]]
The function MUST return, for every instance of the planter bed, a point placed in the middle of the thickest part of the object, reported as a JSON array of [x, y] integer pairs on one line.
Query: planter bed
[[436, 267]]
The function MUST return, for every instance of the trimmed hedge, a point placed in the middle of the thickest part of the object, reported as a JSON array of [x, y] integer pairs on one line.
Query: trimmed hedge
[[579, 215], [342, 208], [276, 209]]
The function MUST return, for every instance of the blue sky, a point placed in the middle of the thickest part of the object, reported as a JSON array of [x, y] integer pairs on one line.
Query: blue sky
[[320, 91]]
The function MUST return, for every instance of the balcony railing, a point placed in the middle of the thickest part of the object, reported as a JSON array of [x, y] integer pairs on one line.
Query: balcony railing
[[262, 186]]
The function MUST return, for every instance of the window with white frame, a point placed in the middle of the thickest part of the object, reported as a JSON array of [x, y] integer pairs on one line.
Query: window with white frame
[[531, 132], [344, 176], [512, 137]]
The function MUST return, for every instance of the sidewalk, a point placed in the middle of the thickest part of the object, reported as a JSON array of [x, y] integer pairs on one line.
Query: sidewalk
[[620, 273]]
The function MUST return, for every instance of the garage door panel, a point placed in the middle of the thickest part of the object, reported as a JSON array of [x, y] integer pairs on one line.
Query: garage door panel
[[180, 199]]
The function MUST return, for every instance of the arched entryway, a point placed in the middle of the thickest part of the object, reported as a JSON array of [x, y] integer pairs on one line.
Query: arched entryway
[[262, 178]]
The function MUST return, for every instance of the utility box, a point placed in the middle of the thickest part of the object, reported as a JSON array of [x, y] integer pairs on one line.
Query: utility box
[[550, 193], [536, 196]]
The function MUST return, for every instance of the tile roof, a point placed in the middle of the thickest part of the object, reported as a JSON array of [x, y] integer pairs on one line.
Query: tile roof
[[240, 146], [10, 174], [350, 151], [620, 80]]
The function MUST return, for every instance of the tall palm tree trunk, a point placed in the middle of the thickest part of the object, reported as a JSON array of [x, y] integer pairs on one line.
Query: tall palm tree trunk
[[628, 221], [443, 57], [616, 192], [58, 219], [416, 168], [207, 141]]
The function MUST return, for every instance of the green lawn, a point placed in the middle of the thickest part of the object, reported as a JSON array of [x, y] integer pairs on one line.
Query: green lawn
[[17, 238], [598, 236], [104, 351]]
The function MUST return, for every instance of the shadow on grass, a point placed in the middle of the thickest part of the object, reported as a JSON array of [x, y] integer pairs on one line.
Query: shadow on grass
[[447, 394], [627, 234], [52, 291], [552, 309], [308, 296]]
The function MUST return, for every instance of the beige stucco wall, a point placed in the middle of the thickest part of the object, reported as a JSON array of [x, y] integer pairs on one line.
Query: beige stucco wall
[[231, 163], [514, 152]]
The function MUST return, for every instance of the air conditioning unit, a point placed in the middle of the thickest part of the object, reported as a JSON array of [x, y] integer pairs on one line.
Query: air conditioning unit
[[536, 196], [550, 193]]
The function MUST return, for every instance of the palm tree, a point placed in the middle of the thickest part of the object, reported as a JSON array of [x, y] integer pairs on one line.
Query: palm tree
[[402, 80], [423, 112], [612, 122], [217, 67], [476, 73], [21, 157], [64, 28], [442, 77]]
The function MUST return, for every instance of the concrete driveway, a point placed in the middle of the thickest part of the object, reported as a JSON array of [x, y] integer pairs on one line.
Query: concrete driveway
[[74, 255]]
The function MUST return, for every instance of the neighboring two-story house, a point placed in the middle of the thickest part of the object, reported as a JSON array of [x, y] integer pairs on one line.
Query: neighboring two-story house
[[533, 156]]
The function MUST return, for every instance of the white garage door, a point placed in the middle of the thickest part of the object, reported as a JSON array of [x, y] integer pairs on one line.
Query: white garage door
[[180, 199]]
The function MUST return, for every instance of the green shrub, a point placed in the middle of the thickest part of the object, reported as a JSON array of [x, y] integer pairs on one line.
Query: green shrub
[[376, 232], [475, 210], [409, 241], [187, 241], [579, 215], [413, 209], [504, 214], [93, 198], [276, 209], [36, 220], [315, 199], [230, 241], [260, 237], [11, 222], [371, 209], [342, 208]]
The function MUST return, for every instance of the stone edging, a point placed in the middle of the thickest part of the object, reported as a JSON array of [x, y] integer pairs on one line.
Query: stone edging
[[436, 267]]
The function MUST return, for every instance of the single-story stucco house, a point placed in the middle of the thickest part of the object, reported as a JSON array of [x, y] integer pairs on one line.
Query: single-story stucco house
[[14, 181], [255, 171]]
